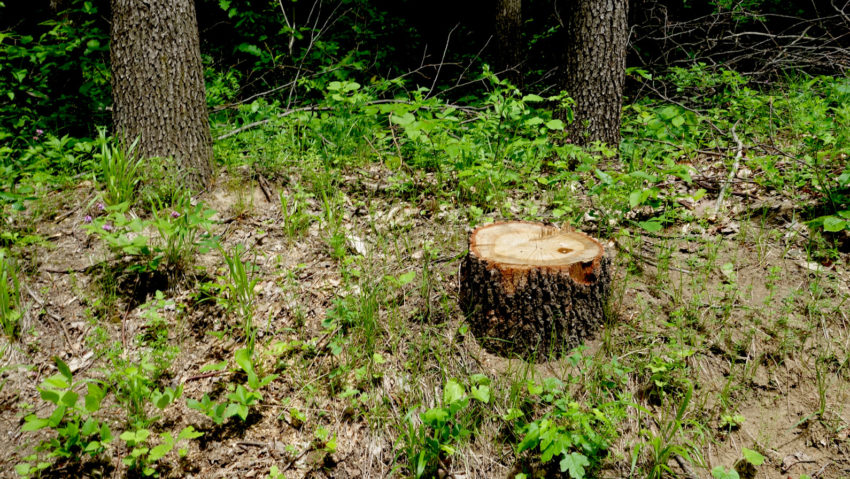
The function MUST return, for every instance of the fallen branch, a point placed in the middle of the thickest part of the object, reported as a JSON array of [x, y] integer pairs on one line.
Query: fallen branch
[[267, 120]]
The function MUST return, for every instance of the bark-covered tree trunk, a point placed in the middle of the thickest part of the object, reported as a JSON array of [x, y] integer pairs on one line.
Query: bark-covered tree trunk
[[158, 83], [509, 38], [595, 67]]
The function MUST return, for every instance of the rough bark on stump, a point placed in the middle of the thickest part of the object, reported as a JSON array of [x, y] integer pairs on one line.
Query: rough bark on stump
[[529, 287]]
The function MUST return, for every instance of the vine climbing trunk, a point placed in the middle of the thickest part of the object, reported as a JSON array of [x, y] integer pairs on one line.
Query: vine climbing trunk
[[595, 67], [158, 84]]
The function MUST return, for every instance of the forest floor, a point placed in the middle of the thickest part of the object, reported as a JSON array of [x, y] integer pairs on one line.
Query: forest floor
[[363, 330]]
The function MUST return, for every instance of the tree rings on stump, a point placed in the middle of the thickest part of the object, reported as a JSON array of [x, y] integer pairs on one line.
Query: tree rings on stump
[[530, 287]]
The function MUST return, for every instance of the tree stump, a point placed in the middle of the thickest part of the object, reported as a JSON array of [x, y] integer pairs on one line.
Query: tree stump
[[529, 287]]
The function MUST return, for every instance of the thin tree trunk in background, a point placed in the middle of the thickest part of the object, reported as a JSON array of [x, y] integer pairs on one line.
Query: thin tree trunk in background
[[595, 67], [158, 83], [509, 38]]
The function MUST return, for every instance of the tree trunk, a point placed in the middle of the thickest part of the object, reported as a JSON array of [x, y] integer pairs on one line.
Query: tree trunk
[[158, 83], [595, 67], [529, 288], [509, 39]]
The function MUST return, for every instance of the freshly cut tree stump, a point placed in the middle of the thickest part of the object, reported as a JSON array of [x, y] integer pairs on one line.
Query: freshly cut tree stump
[[532, 287]]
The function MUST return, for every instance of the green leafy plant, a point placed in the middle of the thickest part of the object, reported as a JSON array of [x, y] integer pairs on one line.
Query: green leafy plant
[[11, 306], [155, 335], [119, 169], [135, 390], [144, 458], [444, 427], [841, 203], [183, 232], [275, 473], [751, 459], [241, 398], [35, 61], [292, 208], [240, 291], [574, 435], [731, 422], [179, 237], [664, 444], [77, 431]]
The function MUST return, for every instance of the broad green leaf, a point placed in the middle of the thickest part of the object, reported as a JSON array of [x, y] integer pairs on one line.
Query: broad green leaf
[[189, 432], [651, 225], [159, 451], [513, 413], [406, 278], [833, 224], [240, 410], [34, 423], [453, 392], [56, 417], [57, 381], [753, 457], [105, 433], [63, 368], [93, 447], [404, 119], [575, 464], [531, 439], [89, 427], [555, 124], [481, 393], [250, 49], [635, 198], [434, 416], [70, 398], [49, 395], [719, 472], [243, 359]]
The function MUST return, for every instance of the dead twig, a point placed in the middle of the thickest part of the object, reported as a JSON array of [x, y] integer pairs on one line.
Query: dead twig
[[252, 444], [686, 468], [205, 375], [296, 458]]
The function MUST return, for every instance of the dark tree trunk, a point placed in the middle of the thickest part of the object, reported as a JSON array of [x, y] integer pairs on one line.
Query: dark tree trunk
[[158, 83], [595, 67], [509, 38]]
